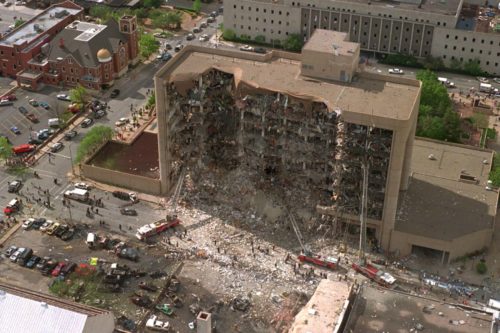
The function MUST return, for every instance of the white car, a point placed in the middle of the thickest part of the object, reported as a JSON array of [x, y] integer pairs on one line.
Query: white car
[[28, 223], [396, 71], [121, 122], [483, 80], [54, 148], [63, 97], [203, 38], [497, 80], [46, 225], [247, 48], [82, 186]]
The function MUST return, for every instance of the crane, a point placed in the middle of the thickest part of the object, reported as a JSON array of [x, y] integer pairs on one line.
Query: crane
[[175, 197], [307, 255]]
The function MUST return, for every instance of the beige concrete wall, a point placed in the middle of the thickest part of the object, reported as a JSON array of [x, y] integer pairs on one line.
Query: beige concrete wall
[[122, 179], [467, 45], [328, 66], [457, 247]]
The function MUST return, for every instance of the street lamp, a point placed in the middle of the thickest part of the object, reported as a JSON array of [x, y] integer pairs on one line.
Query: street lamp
[[71, 160]]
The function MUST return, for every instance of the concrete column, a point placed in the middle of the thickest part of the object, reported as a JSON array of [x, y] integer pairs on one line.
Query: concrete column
[[405, 176], [204, 322], [163, 144]]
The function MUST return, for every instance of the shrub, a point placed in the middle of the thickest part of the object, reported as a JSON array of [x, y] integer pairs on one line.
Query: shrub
[[481, 267]]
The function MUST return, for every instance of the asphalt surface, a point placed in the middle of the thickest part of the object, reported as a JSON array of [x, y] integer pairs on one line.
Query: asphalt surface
[[8, 15]]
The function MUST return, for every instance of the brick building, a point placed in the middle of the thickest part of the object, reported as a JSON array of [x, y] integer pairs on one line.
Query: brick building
[[20, 46]]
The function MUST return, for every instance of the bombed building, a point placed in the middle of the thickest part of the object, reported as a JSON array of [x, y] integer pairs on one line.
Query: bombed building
[[314, 121]]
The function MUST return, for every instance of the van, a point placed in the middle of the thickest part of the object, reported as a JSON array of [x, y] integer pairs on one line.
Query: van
[[485, 87], [90, 240], [25, 256], [77, 194], [53, 122]]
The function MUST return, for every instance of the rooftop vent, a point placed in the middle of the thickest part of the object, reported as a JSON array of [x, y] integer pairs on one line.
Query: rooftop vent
[[468, 179], [61, 14], [432, 157]]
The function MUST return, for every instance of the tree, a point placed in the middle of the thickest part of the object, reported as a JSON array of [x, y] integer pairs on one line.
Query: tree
[[175, 19], [18, 22], [495, 170], [148, 45], [162, 21], [92, 140], [455, 64], [434, 63], [260, 39], [100, 11], [294, 42], [229, 34], [5, 148], [481, 267], [197, 6], [152, 3], [473, 68], [78, 95]]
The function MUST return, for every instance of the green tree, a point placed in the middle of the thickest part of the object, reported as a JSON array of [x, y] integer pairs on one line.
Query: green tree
[[148, 45], [78, 95], [152, 3], [175, 18], [5, 149], [197, 6], [151, 100], [18, 22], [92, 140], [162, 21], [455, 64], [495, 170], [481, 267], [473, 68], [100, 11], [141, 13], [294, 42], [433, 63], [229, 34], [260, 39]]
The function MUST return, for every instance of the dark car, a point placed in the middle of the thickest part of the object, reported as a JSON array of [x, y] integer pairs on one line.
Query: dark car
[[43, 135], [42, 263], [38, 223], [128, 211], [70, 134], [14, 186], [23, 110], [68, 234], [168, 46], [35, 141], [129, 253], [25, 256], [61, 230], [114, 93], [68, 269], [87, 122], [33, 261], [31, 117], [260, 50]]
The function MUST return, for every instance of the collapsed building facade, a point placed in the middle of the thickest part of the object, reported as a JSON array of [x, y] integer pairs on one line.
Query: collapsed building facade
[[315, 119]]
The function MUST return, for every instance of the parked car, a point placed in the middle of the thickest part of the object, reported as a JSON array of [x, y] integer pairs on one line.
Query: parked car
[[246, 48], [32, 261], [168, 46], [15, 130], [61, 230], [210, 19], [203, 38], [53, 228], [12, 207], [87, 122], [190, 36], [25, 256], [57, 270], [83, 186], [28, 223], [46, 225], [125, 196], [38, 223], [5, 102], [43, 261], [260, 50], [55, 147], [99, 114], [10, 97], [63, 97], [203, 25], [70, 134], [23, 110], [14, 256], [114, 93], [31, 117], [214, 14], [122, 121], [14, 186], [35, 141], [129, 253], [68, 269], [44, 105], [128, 211], [43, 135], [496, 80], [396, 71], [33, 102], [195, 31], [49, 267], [482, 79], [178, 47], [166, 56], [68, 234], [10, 250]]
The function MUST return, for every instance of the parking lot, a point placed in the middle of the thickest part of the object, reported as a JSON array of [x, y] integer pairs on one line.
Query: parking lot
[[11, 117]]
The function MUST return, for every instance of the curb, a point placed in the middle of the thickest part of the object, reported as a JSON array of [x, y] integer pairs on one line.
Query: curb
[[9, 233]]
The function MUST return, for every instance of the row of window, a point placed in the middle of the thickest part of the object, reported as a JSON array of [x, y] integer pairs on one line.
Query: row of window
[[461, 59], [249, 28], [263, 10], [264, 20], [471, 50], [473, 39]]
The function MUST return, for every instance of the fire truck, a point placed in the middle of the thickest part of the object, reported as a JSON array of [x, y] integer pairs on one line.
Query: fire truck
[[148, 230], [328, 262], [373, 273]]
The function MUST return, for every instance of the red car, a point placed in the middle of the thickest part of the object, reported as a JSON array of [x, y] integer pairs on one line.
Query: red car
[[10, 97], [13, 206], [56, 271]]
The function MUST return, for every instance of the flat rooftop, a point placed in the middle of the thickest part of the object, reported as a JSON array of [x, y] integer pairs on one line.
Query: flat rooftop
[[373, 95], [339, 42], [38, 25], [324, 310], [383, 310], [437, 203], [88, 30]]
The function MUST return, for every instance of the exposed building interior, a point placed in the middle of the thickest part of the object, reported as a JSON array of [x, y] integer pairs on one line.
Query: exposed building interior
[[278, 135]]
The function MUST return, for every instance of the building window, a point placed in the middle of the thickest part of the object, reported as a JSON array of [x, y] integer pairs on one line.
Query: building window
[[447, 36], [71, 70], [444, 56], [454, 47], [64, 69]]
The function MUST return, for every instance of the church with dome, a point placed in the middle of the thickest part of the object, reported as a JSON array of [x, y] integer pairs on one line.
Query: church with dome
[[72, 51]]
